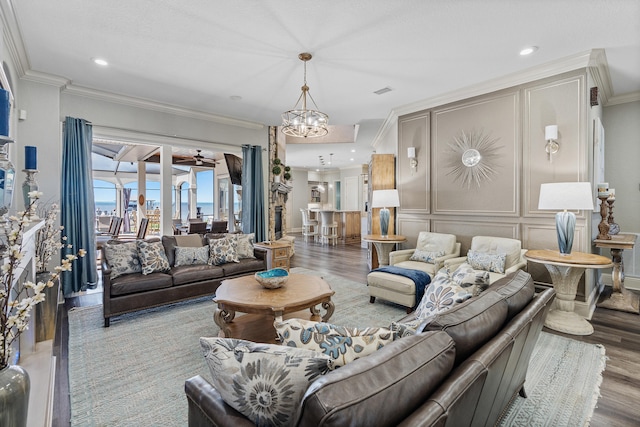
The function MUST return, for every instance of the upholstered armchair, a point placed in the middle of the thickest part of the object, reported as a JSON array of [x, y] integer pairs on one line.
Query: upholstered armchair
[[430, 244], [497, 255], [432, 250]]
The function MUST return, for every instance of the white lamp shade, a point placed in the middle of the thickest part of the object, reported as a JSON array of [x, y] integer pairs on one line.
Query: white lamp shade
[[551, 132], [385, 199], [566, 195]]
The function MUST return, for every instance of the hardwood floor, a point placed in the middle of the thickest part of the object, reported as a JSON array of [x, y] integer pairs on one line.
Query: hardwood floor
[[618, 406]]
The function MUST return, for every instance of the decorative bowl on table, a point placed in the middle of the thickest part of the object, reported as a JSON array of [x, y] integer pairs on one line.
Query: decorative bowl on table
[[272, 279]]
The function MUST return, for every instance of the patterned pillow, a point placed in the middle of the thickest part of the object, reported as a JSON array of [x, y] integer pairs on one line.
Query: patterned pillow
[[264, 382], [486, 261], [342, 344], [122, 258], [425, 256], [191, 256], [442, 294], [222, 251], [152, 257], [405, 329], [245, 245], [475, 281]]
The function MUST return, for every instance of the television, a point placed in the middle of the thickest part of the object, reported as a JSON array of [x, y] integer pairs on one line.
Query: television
[[234, 165]]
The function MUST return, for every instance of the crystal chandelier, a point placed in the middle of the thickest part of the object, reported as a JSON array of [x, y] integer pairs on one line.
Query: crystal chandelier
[[301, 122]]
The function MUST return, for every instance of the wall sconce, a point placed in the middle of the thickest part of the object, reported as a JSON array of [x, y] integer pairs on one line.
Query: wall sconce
[[551, 136], [413, 161]]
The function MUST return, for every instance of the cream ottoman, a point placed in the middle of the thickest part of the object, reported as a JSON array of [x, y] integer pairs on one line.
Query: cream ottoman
[[392, 287]]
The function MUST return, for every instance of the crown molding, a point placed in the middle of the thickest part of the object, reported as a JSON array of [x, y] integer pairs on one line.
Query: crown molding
[[623, 99], [44, 78], [157, 106], [14, 45], [599, 69]]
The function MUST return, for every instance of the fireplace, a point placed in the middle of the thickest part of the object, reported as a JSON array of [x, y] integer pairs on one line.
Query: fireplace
[[278, 222]]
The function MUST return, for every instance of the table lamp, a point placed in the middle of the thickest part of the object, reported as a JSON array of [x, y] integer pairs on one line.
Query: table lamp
[[563, 196], [385, 199]]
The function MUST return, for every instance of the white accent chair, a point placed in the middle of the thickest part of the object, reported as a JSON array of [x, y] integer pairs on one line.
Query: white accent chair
[[328, 228], [400, 289], [492, 246]]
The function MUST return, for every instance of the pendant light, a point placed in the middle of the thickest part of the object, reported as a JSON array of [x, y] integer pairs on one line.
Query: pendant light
[[301, 122]]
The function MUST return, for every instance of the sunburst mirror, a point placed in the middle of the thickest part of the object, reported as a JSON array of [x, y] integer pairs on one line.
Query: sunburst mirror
[[472, 157]]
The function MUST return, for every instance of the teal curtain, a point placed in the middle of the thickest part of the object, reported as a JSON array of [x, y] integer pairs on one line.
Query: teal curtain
[[77, 206], [253, 212]]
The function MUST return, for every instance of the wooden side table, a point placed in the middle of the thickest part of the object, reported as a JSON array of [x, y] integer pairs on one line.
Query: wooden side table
[[619, 298], [278, 254], [384, 245], [565, 271]]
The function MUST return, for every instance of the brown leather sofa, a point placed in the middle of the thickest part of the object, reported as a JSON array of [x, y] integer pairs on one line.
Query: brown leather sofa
[[463, 369], [132, 292]]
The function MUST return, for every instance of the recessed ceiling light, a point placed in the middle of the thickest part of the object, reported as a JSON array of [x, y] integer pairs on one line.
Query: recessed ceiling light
[[353, 150], [100, 61], [528, 50], [351, 159]]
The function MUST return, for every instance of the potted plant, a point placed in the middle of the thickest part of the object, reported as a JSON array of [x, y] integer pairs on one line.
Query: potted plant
[[287, 173]]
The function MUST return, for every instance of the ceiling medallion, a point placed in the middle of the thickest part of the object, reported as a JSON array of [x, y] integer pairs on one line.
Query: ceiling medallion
[[301, 122], [472, 157]]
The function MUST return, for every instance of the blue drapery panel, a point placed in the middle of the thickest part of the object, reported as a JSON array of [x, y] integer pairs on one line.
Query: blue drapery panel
[[77, 206], [253, 216], [126, 197]]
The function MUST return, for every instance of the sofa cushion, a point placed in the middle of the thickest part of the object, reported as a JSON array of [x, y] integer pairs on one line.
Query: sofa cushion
[[517, 289], [442, 294], [191, 256], [195, 273], [436, 242], [264, 382], [171, 242], [222, 251], [425, 256], [244, 244], [475, 281], [499, 245], [122, 258], [472, 323], [135, 283], [243, 266], [486, 261], [152, 257], [342, 344], [383, 388]]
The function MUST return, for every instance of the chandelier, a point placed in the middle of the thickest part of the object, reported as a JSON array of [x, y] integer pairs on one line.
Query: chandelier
[[301, 122]]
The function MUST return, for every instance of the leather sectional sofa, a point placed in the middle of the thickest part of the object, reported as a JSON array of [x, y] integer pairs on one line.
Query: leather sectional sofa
[[132, 292], [461, 369]]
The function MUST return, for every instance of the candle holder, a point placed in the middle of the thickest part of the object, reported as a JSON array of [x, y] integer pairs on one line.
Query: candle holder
[[603, 227], [613, 227], [30, 184]]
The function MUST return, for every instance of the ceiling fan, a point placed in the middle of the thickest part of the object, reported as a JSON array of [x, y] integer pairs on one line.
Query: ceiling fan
[[199, 160]]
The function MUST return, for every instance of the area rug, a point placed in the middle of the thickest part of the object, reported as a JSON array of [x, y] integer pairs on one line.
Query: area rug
[[133, 373], [562, 385]]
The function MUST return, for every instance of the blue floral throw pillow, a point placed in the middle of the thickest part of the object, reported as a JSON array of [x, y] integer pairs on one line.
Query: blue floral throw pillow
[[222, 251], [191, 256], [122, 258], [342, 344], [264, 382], [425, 256], [475, 281], [488, 262], [152, 257], [442, 294]]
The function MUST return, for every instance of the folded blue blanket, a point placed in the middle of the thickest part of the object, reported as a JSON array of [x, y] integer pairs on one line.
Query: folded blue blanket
[[420, 278]]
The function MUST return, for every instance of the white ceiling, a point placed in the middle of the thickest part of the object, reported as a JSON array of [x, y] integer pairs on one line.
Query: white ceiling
[[203, 54]]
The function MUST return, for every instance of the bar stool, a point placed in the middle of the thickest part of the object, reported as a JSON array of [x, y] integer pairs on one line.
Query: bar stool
[[328, 228], [309, 226]]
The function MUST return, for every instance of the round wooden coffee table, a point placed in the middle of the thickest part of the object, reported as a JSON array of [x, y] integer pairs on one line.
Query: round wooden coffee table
[[246, 295]]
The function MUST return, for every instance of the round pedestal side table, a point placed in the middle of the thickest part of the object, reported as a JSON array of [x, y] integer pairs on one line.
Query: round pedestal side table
[[565, 271]]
